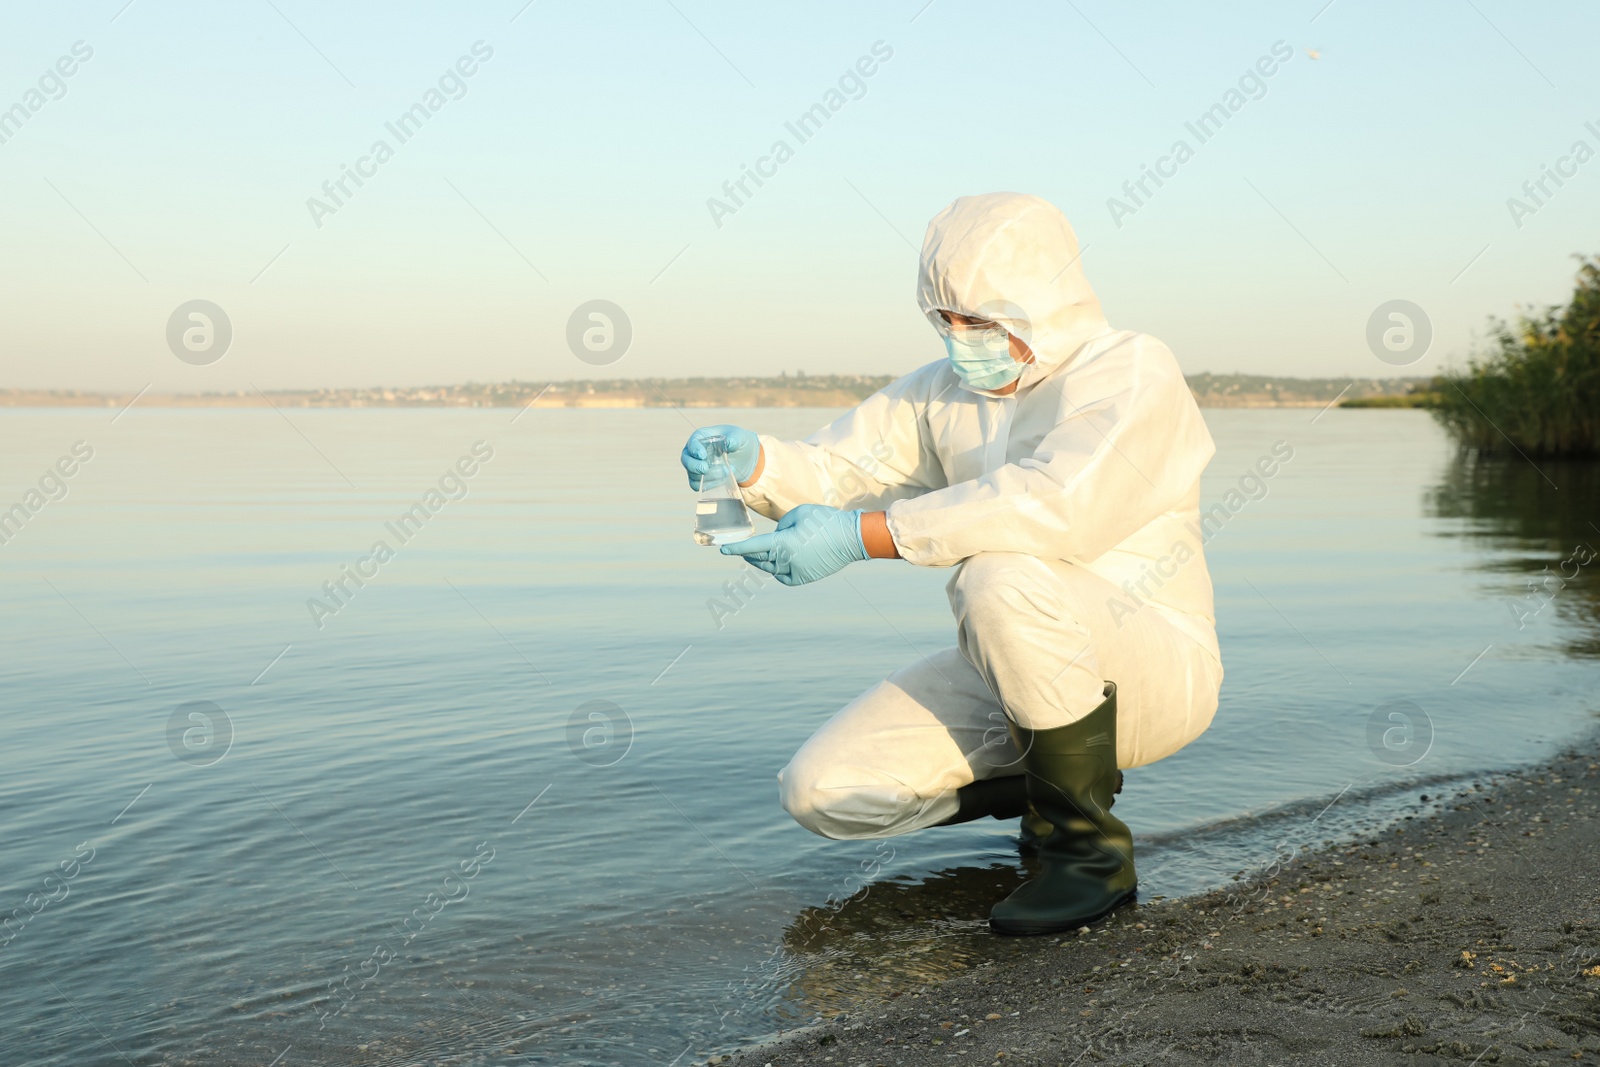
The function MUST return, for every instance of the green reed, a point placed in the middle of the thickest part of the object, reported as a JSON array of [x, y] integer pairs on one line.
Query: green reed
[[1537, 389]]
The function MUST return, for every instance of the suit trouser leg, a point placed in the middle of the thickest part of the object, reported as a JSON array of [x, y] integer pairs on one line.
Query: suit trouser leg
[[892, 759], [1042, 636], [1046, 635]]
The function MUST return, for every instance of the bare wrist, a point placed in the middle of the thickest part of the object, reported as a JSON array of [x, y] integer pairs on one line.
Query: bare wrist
[[875, 536]]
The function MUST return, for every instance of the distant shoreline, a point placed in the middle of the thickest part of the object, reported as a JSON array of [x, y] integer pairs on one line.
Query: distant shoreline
[[799, 391]]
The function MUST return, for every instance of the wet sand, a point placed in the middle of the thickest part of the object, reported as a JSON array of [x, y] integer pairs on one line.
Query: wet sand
[[1471, 935]]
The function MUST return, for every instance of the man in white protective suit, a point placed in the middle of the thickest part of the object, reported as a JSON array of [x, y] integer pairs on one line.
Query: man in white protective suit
[[1055, 462]]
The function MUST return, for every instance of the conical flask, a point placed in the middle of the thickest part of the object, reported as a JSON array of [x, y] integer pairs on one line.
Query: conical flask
[[719, 514]]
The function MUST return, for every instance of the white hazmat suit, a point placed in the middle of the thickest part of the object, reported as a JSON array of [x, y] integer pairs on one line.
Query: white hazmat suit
[[1070, 508]]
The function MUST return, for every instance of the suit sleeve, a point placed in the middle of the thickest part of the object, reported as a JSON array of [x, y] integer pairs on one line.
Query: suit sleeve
[[1112, 463], [870, 457]]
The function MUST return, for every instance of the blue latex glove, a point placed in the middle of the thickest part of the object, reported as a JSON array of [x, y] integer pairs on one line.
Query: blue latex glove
[[744, 448], [812, 541]]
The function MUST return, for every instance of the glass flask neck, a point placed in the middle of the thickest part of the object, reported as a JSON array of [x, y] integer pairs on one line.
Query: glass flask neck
[[718, 479]]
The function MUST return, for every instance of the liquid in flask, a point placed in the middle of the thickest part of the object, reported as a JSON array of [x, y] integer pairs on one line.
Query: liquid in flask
[[719, 515]]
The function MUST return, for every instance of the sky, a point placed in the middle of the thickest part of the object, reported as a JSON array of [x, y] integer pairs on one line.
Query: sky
[[579, 159]]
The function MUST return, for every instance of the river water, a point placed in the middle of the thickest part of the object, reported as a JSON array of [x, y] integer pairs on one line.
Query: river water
[[511, 799]]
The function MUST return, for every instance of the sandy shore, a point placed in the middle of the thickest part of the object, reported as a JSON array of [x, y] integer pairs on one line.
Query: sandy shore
[[1468, 936]]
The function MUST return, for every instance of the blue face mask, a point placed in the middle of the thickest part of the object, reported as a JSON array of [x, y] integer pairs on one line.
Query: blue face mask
[[982, 358]]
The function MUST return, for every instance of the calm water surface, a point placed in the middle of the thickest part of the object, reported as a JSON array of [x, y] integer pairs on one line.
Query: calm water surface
[[237, 830]]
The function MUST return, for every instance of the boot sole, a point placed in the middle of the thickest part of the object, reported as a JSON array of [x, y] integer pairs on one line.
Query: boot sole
[[1060, 926]]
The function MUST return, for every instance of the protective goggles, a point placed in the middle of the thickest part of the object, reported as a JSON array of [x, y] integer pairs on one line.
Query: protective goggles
[[987, 334]]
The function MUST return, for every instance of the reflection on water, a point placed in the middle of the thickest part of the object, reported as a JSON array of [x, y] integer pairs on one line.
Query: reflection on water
[[1542, 519], [893, 936]]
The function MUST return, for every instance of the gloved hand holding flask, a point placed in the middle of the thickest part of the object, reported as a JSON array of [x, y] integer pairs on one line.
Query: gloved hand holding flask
[[743, 453], [812, 541]]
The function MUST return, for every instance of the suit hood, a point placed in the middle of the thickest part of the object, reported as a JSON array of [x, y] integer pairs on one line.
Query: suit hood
[[1013, 259]]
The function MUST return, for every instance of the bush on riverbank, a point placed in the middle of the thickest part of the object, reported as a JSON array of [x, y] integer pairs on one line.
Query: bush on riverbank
[[1539, 388], [1416, 398]]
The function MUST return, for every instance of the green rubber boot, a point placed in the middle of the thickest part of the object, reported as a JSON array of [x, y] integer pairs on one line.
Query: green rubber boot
[[1034, 830], [995, 798], [1005, 797], [1087, 858]]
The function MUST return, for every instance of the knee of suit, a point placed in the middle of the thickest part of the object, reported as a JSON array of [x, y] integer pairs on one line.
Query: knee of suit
[[995, 591], [845, 802]]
